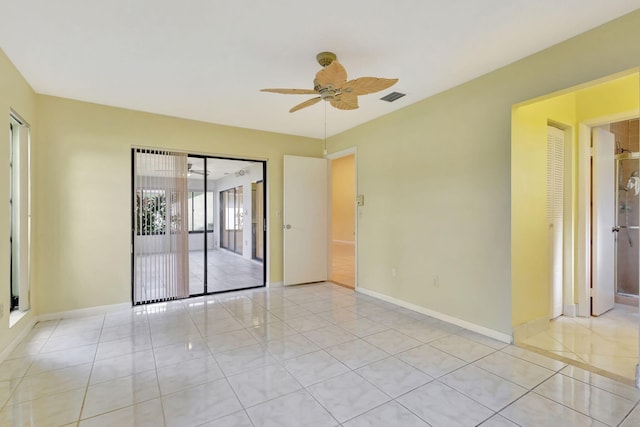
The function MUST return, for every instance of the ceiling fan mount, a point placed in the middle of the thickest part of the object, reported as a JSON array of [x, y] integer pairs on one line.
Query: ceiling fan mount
[[331, 85], [326, 58]]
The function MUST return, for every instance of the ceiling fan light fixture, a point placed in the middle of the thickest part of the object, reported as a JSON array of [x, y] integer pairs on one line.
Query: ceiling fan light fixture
[[332, 85]]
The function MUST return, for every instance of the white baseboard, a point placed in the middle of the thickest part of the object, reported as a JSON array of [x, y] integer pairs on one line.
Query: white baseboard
[[500, 336], [85, 312], [17, 340], [275, 284], [570, 310]]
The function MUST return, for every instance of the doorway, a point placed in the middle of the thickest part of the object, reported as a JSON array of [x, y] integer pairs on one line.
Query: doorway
[[308, 227], [627, 149], [615, 215], [343, 220], [579, 335]]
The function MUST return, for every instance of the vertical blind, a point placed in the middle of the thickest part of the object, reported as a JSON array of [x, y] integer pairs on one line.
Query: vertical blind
[[161, 264]]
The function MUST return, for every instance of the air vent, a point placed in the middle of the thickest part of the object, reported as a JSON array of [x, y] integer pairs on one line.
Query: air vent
[[392, 96]]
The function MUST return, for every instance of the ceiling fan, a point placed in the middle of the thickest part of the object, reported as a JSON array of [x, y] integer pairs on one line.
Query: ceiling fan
[[332, 85], [190, 170]]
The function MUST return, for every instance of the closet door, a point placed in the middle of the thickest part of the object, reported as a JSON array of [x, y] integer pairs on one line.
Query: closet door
[[555, 214]]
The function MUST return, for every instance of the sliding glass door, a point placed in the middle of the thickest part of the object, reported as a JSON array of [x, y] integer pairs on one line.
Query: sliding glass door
[[208, 224]]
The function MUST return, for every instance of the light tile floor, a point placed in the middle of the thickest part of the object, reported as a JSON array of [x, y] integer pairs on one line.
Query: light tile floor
[[312, 355], [225, 271], [607, 344]]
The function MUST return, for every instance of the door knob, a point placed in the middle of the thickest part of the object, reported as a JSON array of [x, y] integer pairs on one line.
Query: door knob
[[287, 226]]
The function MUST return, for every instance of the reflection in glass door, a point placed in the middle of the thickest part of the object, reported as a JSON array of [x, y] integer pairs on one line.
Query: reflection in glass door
[[232, 215], [200, 222], [627, 244], [257, 220]]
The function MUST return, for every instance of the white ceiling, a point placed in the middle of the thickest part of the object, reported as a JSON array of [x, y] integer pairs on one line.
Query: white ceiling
[[207, 59]]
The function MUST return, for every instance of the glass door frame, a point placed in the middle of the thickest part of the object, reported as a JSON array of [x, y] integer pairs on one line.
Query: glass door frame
[[263, 164]]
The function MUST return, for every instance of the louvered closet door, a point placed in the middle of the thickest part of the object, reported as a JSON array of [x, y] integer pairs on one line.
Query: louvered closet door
[[555, 213], [160, 226]]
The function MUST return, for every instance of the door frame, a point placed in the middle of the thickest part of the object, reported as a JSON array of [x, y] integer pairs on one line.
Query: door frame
[[332, 156], [583, 258]]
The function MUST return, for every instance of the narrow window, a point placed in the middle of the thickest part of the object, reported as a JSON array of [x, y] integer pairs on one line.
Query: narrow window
[[20, 218]]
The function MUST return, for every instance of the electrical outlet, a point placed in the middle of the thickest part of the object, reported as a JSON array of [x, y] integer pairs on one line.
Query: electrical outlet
[[394, 272], [436, 281]]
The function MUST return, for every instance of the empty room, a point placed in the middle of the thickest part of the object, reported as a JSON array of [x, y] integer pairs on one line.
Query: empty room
[[301, 214]]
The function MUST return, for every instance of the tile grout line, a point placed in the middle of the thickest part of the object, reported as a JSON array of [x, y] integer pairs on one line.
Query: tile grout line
[[86, 389]]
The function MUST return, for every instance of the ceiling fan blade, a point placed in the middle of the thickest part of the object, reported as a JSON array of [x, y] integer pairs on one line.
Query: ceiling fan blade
[[305, 104], [291, 91], [345, 101], [365, 85], [333, 74]]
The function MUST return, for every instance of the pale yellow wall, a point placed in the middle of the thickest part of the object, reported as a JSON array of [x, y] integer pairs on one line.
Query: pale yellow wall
[[436, 178], [82, 188], [620, 95], [530, 270], [531, 288], [15, 94], [343, 198]]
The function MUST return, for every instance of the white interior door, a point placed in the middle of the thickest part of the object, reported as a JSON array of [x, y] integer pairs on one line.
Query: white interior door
[[305, 219], [603, 243]]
